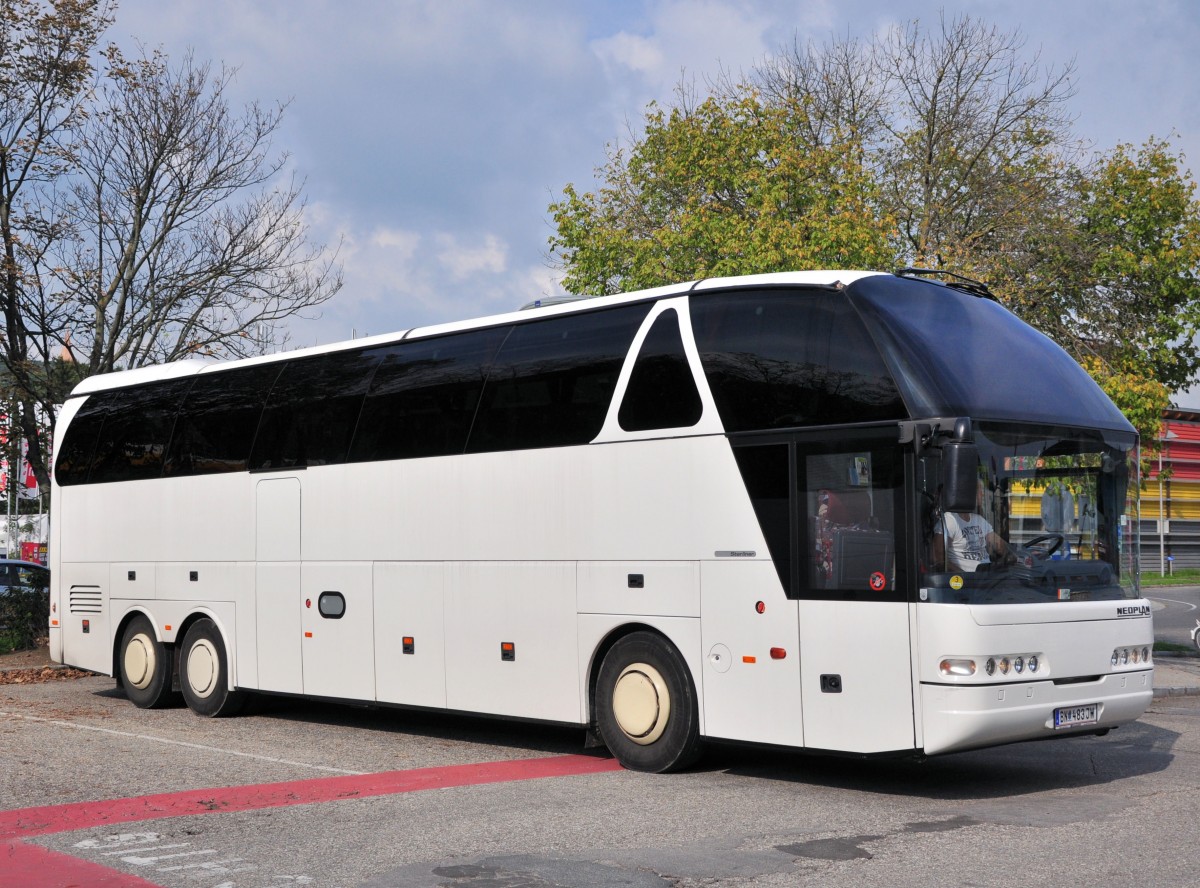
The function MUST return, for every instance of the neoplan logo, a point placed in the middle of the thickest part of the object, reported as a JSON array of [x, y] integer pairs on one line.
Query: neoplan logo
[[1138, 610]]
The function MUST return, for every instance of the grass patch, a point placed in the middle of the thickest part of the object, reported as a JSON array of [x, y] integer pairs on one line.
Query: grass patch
[[1187, 576], [1170, 647]]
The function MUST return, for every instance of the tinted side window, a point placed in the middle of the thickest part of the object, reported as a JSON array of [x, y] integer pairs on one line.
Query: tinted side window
[[78, 447], [424, 396], [137, 429], [553, 380], [766, 472], [215, 428], [661, 393], [313, 408], [776, 359]]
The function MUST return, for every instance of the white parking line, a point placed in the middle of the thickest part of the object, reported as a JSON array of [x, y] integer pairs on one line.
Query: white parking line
[[1186, 604], [164, 740]]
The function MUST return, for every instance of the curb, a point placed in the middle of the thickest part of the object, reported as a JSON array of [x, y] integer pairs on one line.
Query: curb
[[1176, 692]]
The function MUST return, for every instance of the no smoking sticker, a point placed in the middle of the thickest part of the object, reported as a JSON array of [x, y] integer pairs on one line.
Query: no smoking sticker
[[878, 581]]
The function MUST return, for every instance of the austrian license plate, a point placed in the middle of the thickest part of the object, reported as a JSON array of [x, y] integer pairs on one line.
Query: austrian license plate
[[1075, 716]]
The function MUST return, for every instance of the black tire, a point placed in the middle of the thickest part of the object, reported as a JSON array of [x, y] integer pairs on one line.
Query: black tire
[[646, 708], [204, 672], [145, 666]]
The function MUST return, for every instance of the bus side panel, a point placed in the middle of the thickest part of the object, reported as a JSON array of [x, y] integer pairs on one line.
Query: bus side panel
[[511, 640], [868, 707], [750, 694], [199, 580], [85, 627], [410, 650], [338, 626], [644, 588], [277, 623]]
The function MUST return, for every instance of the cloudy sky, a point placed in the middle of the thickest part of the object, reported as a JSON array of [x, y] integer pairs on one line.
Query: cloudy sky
[[432, 134]]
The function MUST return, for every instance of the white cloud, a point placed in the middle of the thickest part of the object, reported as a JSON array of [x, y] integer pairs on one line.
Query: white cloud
[[463, 261]]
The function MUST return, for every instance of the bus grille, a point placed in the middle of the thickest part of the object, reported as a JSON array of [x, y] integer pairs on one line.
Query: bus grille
[[85, 599]]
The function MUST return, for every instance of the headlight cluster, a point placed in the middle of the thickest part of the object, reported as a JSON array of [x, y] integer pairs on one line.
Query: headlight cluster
[[1015, 664], [1125, 656]]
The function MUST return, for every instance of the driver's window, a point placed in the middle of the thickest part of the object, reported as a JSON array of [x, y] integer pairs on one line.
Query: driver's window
[[850, 503]]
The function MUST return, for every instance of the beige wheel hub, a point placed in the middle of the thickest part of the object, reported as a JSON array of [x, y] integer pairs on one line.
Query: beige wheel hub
[[203, 668], [641, 703], [140, 661]]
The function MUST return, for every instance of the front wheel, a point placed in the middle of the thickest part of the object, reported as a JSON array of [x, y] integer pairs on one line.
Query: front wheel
[[204, 672], [145, 666], [646, 707]]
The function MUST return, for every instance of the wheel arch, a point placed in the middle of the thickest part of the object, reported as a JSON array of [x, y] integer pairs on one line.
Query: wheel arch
[[128, 617], [605, 645], [227, 640]]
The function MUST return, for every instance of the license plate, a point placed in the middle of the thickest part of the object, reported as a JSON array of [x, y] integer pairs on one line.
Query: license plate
[[1074, 716]]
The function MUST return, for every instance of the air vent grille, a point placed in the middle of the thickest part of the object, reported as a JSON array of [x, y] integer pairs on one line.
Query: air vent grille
[[85, 599]]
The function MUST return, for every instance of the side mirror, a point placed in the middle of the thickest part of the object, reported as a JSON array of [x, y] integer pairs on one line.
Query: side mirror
[[960, 476]]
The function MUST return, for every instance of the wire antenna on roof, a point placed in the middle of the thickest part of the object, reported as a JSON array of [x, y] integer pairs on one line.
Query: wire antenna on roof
[[958, 281]]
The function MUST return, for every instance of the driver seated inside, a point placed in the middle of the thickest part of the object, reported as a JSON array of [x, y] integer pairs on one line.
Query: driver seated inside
[[962, 541]]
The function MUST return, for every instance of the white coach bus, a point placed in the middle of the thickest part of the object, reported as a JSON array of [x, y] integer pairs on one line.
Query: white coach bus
[[840, 511]]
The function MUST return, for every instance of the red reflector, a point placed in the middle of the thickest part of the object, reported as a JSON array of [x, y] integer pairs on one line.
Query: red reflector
[[761, 607], [778, 653], [749, 659]]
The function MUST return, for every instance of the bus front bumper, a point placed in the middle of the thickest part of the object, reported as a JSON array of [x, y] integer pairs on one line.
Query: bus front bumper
[[959, 717]]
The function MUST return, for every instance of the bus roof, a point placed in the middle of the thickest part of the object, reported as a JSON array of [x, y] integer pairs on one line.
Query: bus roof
[[189, 366]]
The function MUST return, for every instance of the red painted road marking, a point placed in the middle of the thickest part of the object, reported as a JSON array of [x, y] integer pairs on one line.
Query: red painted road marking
[[30, 865], [26, 822]]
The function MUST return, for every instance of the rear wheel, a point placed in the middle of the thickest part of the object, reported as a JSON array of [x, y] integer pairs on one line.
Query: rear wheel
[[145, 665], [204, 672], [646, 707]]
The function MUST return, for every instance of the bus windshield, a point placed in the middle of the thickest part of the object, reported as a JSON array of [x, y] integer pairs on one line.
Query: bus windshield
[[1055, 521]]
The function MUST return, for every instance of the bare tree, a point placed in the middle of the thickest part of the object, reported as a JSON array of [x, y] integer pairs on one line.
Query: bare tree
[[977, 135], [189, 237], [143, 220], [967, 136], [45, 76]]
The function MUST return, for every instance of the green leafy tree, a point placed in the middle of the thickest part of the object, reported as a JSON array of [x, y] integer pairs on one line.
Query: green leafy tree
[[1139, 234], [727, 186]]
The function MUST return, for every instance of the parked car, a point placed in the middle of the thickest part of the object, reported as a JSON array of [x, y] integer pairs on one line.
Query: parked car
[[24, 599]]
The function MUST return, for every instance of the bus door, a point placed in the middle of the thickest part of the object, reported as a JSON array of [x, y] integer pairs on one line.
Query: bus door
[[851, 582], [748, 612], [277, 584]]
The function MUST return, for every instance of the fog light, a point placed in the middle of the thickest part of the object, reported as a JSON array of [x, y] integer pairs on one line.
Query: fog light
[[1137, 656], [1033, 664], [1004, 664], [1116, 657], [951, 666], [1124, 656], [1145, 655], [990, 666]]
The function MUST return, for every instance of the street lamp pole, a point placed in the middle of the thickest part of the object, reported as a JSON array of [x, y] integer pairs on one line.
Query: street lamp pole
[[1162, 529]]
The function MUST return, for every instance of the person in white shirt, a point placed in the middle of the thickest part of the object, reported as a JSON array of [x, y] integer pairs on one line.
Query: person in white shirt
[[964, 540]]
